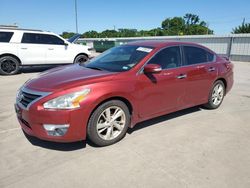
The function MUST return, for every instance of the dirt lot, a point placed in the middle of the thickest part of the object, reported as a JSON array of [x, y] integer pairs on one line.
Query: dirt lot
[[190, 148]]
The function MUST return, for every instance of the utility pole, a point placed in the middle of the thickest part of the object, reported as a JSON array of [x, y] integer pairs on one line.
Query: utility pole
[[76, 16], [207, 25], [243, 23]]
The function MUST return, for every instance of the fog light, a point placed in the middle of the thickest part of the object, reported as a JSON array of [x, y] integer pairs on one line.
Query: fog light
[[56, 130]]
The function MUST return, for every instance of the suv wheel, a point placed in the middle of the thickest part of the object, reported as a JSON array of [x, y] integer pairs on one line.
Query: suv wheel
[[109, 123], [9, 65], [81, 59]]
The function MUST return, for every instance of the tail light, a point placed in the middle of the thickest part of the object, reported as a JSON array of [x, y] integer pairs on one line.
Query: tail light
[[228, 64]]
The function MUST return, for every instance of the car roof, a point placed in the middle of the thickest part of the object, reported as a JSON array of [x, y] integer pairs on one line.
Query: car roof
[[160, 43], [8, 29]]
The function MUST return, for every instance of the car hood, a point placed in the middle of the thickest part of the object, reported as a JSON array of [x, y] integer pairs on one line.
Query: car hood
[[65, 77], [74, 38]]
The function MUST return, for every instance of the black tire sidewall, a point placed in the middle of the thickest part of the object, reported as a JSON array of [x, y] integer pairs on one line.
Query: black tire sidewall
[[210, 104], [13, 59], [92, 129], [80, 56]]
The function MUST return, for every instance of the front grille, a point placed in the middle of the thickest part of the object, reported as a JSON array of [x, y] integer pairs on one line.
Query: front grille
[[26, 98]]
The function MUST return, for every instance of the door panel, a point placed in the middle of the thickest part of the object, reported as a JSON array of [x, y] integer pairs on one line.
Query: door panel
[[58, 54], [32, 54], [161, 92], [199, 81], [201, 72]]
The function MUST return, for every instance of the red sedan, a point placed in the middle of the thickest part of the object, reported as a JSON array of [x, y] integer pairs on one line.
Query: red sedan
[[121, 87]]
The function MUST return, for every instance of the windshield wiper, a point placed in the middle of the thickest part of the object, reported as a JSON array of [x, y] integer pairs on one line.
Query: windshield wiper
[[95, 68]]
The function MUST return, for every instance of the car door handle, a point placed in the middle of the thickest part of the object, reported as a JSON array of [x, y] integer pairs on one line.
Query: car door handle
[[24, 48], [211, 69], [50, 48], [182, 76]]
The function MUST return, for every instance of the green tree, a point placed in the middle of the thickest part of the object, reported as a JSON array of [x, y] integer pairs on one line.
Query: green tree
[[173, 26], [156, 32], [194, 26], [127, 32], [190, 24], [108, 33], [67, 35], [191, 19], [90, 34], [198, 30], [243, 28]]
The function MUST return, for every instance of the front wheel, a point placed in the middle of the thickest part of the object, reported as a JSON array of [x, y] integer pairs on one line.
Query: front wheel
[[9, 65], [216, 95], [109, 123], [81, 59]]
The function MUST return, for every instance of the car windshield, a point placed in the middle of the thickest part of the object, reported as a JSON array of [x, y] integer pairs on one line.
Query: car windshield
[[119, 59]]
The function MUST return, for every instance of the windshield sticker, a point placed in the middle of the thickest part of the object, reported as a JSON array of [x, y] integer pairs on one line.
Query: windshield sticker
[[125, 67], [143, 49]]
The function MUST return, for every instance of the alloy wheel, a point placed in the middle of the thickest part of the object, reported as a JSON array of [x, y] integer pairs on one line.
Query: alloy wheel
[[218, 94], [111, 123], [8, 66]]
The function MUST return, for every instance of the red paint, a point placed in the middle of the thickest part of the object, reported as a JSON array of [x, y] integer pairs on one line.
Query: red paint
[[150, 95]]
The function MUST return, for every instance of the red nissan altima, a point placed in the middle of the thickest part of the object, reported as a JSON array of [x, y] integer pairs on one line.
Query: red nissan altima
[[119, 88]]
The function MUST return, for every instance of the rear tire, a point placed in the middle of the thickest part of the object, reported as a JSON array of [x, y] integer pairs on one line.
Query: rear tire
[[9, 65], [81, 59], [216, 95], [109, 123]]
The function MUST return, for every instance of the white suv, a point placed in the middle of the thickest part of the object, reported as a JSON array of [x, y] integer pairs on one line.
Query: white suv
[[22, 47]]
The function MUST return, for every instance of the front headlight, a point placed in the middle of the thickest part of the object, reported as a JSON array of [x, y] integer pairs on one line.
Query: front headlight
[[68, 101]]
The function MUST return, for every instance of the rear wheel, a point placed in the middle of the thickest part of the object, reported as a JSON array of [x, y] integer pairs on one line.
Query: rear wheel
[[9, 65], [81, 59], [109, 123], [216, 95]]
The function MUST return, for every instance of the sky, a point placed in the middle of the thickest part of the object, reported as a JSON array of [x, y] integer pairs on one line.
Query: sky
[[59, 15]]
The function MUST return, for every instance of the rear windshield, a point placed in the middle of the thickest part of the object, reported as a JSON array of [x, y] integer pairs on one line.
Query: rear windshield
[[119, 59], [5, 36]]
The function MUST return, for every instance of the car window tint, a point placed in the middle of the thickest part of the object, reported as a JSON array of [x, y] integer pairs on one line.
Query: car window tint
[[195, 55], [51, 39], [5, 36], [167, 58], [210, 56], [32, 38]]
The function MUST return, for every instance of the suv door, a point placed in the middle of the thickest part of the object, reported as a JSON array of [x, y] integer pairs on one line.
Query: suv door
[[162, 92], [56, 50], [30, 51], [201, 71]]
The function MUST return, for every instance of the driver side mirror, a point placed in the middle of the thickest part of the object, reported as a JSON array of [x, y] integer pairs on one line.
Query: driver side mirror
[[66, 44], [152, 68]]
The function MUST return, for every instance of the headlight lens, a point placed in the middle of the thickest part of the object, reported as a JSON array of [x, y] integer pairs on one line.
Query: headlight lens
[[68, 101]]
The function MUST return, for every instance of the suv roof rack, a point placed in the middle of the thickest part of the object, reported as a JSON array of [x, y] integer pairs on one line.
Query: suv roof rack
[[16, 28]]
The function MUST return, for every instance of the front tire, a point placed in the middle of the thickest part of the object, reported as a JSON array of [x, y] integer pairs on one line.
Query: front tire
[[9, 65], [216, 95], [81, 59], [109, 123]]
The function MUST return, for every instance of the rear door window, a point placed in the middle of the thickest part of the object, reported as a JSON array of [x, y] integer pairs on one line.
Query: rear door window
[[34, 38], [195, 55], [31, 38], [5, 36]]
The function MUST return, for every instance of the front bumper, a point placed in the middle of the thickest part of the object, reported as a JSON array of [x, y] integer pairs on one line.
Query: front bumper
[[33, 119]]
